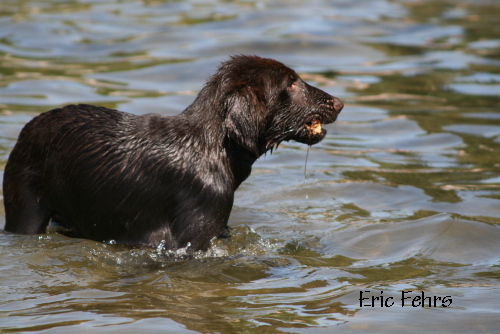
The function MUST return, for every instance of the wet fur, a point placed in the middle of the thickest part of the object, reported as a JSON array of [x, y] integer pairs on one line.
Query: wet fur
[[138, 180]]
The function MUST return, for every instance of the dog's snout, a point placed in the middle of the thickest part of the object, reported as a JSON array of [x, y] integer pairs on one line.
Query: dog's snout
[[338, 105]]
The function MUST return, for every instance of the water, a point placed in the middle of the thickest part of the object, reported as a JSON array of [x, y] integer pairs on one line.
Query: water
[[403, 194]]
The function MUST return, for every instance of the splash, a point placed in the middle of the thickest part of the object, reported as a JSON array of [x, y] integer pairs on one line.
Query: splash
[[243, 241]]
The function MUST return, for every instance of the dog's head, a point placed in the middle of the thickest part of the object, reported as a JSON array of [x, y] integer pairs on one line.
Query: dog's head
[[266, 103]]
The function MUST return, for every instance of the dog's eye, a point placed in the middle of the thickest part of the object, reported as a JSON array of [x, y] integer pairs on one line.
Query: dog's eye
[[292, 82]]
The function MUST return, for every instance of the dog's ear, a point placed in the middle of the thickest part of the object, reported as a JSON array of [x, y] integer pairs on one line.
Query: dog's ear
[[243, 119]]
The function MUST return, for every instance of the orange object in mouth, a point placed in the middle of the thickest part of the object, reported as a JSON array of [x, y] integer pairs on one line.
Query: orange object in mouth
[[315, 127]]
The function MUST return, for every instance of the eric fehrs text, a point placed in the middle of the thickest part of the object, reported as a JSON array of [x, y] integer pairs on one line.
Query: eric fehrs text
[[368, 298]]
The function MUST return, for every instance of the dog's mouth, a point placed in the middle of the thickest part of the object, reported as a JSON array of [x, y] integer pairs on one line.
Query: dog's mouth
[[312, 131]]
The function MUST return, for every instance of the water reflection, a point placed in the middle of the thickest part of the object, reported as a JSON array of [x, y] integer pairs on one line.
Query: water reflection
[[403, 194]]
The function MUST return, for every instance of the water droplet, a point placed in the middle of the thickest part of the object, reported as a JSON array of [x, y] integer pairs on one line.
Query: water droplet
[[305, 168], [305, 163], [161, 247]]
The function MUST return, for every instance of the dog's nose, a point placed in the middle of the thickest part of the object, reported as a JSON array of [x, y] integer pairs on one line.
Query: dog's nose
[[338, 105]]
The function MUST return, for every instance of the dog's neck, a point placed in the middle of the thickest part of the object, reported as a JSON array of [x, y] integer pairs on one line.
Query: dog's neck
[[213, 143], [240, 159]]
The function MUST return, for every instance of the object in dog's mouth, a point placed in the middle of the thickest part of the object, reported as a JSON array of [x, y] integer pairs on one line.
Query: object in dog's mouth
[[149, 180], [315, 127]]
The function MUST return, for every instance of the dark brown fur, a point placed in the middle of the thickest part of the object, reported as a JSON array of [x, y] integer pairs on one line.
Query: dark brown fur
[[138, 180]]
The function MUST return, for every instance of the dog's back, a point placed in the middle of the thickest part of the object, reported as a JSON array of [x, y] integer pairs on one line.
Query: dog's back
[[49, 146]]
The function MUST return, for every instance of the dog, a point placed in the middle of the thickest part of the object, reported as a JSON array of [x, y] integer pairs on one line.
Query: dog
[[107, 175]]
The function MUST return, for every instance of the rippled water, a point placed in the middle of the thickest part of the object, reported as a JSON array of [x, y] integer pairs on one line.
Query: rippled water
[[403, 194]]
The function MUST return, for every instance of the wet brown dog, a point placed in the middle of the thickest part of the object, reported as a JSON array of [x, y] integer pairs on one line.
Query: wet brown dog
[[108, 175]]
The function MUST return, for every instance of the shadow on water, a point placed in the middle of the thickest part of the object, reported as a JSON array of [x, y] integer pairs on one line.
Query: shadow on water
[[402, 197]]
